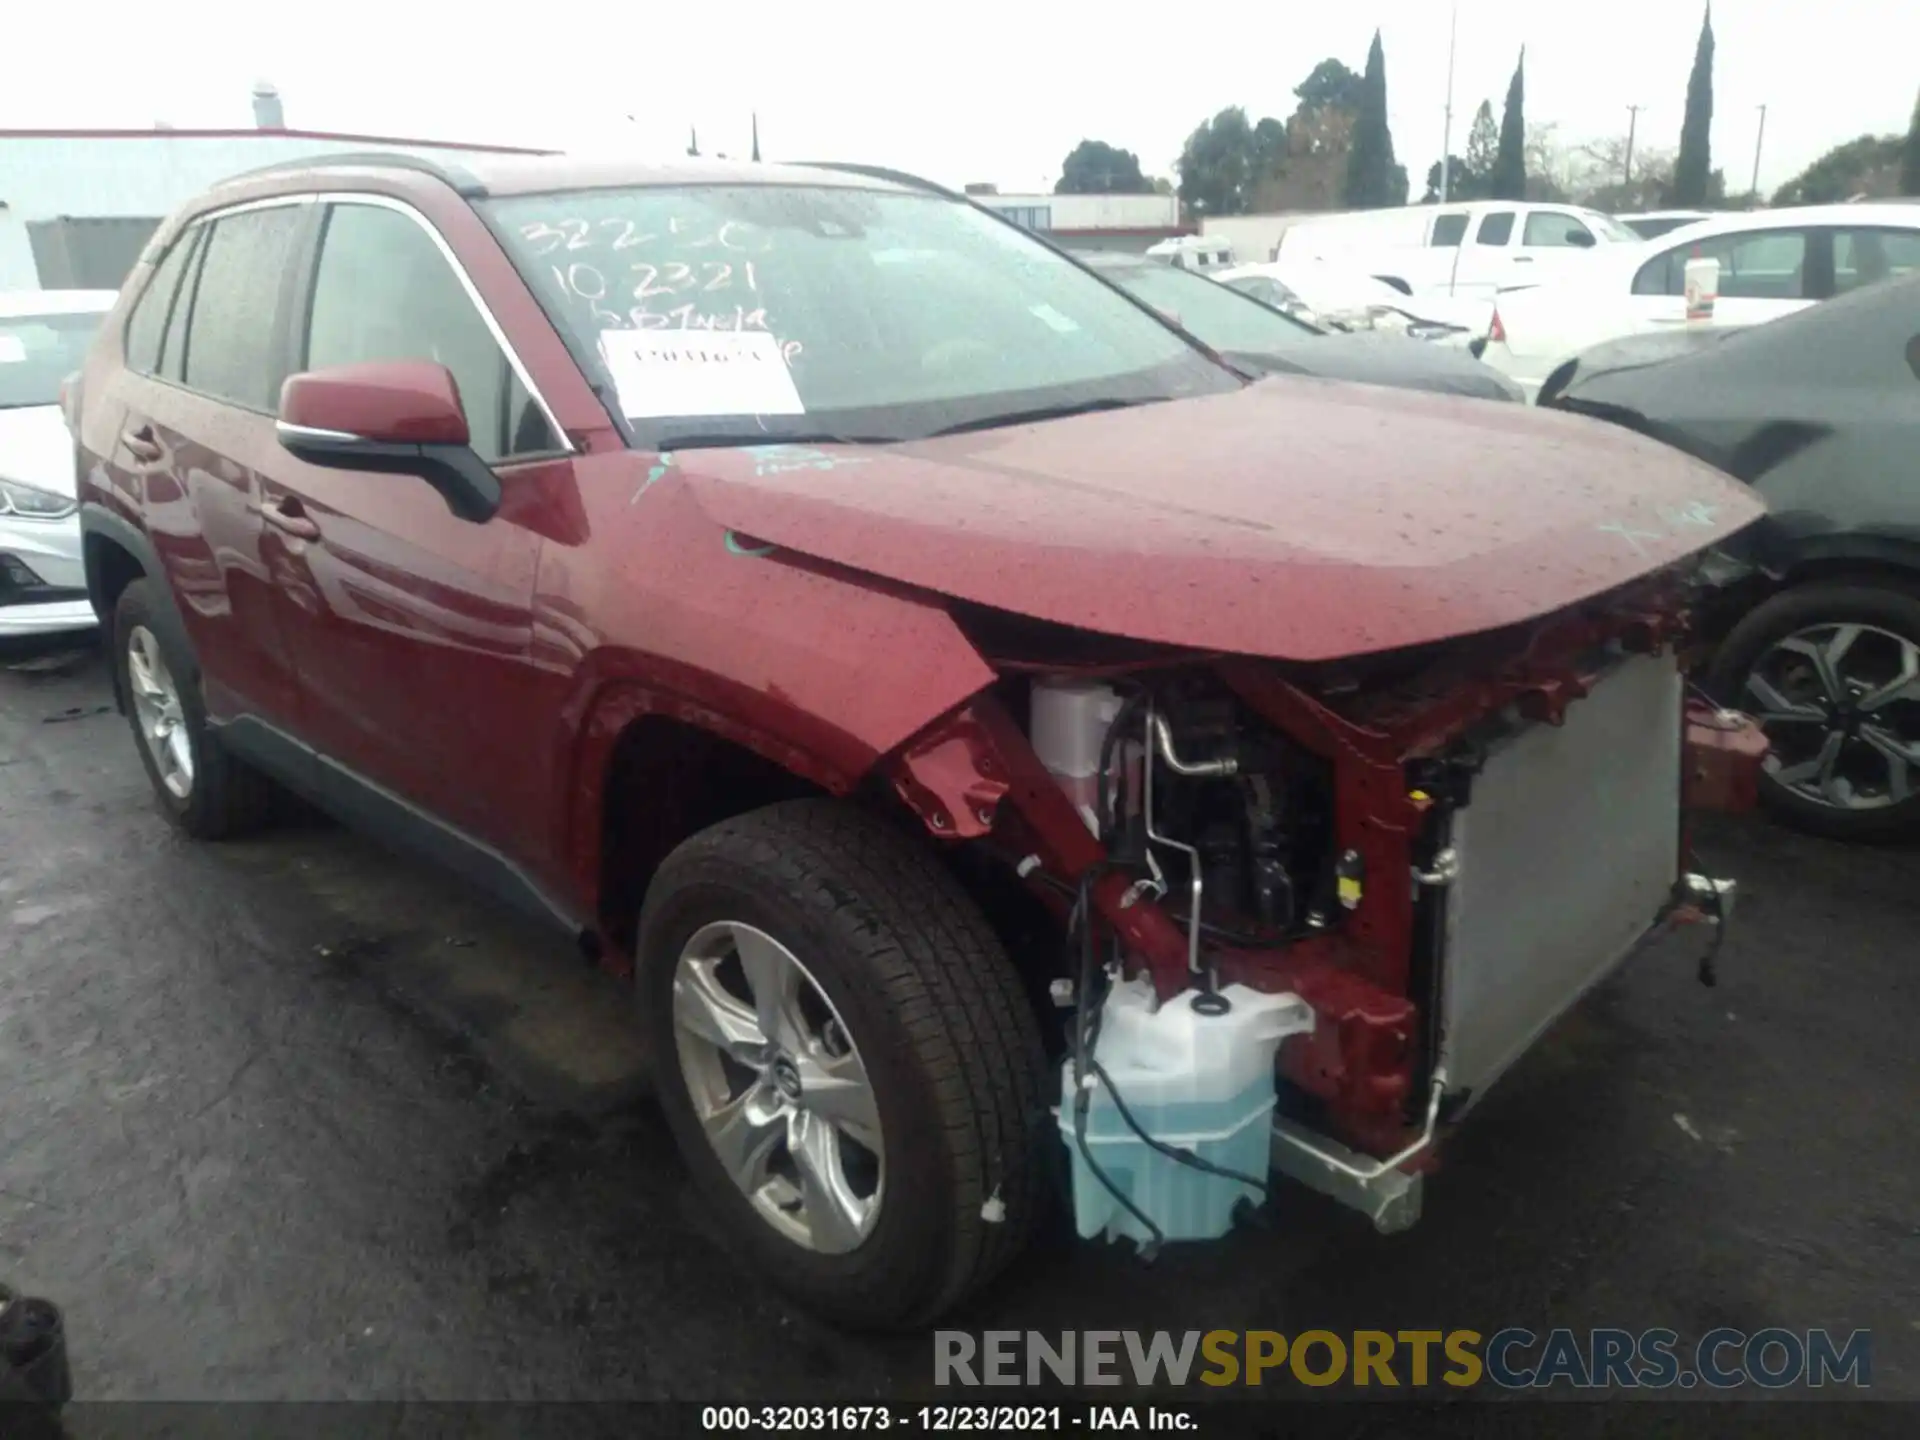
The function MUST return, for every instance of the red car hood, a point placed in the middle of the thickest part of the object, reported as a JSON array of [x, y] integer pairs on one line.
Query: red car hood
[[1296, 519]]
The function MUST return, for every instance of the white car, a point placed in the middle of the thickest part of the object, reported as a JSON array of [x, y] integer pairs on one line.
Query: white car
[[1772, 262], [44, 337], [1333, 297], [1466, 250]]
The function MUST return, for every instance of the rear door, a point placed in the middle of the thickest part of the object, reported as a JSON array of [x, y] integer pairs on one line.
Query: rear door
[[412, 628], [205, 348], [1486, 254]]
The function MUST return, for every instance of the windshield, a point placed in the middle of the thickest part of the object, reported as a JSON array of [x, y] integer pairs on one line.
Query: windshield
[[1610, 227], [37, 352], [1217, 314], [779, 313]]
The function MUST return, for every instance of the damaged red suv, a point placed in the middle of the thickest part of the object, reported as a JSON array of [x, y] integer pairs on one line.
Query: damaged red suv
[[1008, 747]]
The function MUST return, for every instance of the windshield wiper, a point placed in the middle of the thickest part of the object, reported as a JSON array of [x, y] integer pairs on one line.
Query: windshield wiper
[[1045, 412]]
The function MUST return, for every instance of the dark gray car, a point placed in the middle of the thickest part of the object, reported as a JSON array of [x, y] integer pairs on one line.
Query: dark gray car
[[1819, 612], [1257, 338]]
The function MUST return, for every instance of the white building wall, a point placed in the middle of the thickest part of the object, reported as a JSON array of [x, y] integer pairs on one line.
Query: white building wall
[[46, 177], [1092, 212]]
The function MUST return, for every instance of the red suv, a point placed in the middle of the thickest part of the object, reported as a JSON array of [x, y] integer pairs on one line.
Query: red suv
[[884, 639]]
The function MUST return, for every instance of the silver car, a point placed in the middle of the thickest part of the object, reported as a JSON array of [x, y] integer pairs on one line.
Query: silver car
[[44, 335]]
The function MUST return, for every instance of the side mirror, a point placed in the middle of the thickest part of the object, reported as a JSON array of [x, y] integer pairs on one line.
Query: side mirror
[[1580, 239], [400, 417]]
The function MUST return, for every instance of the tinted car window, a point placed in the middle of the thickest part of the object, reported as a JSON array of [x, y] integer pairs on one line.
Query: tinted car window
[[230, 338], [1864, 256], [1759, 265], [384, 291], [1449, 230], [1545, 227], [880, 314], [148, 324], [1496, 228]]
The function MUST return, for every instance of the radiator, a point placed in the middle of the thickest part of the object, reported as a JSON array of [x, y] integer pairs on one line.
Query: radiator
[[1567, 851]]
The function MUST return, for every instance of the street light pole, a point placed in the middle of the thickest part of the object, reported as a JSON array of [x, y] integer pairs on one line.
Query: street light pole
[[1633, 124], [1446, 134], [1757, 140]]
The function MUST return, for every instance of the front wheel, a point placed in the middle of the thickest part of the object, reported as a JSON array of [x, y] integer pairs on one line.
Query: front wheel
[[1832, 672], [846, 1058]]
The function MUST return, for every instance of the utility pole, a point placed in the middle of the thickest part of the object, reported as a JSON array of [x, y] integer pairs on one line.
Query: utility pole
[[1757, 139], [1446, 133], [1633, 124]]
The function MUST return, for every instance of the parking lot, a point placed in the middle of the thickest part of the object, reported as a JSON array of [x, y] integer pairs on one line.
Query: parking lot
[[291, 1118]]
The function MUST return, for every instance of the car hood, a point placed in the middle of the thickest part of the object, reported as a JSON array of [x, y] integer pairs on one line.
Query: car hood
[[36, 449], [1297, 519], [1373, 357], [1634, 352]]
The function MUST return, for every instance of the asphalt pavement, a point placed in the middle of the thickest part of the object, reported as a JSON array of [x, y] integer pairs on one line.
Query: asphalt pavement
[[292, 1118]]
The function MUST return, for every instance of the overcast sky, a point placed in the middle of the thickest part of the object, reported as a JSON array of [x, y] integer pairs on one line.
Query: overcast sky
[[994, 90]]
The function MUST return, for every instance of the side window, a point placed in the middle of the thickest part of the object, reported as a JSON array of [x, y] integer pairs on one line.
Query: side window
[[1496, 228], [148, 324], [1448, 230], [230, 337], [1861, 257], [384, 291], [1760, 265], [173, 350], [1553, 228]]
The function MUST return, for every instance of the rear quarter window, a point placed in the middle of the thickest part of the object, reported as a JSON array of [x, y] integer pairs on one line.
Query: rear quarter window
[[147, 326]]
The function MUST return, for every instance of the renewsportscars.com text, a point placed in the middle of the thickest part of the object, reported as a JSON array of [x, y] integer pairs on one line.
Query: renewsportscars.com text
[[1512, 1358]]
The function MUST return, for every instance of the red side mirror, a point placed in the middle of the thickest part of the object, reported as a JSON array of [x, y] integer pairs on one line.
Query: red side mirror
[[393, 402]]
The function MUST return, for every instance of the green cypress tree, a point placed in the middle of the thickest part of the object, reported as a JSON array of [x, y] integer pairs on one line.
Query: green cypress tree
[[1371, 172], [1510, 161], [1693, 170], [1910, 157]]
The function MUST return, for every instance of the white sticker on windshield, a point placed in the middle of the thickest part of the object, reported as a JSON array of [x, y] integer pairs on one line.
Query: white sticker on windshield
[[12, 352], [1053, 317], [658, 373]]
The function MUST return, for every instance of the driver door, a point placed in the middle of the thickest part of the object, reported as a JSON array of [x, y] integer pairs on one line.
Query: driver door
[[410, 629]]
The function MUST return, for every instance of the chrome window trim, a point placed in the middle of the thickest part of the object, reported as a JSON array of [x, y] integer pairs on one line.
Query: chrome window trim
[[388, 202]]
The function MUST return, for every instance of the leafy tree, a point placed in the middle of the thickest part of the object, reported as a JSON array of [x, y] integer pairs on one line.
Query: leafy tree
[[1509, 178], [1867, 165], [1330, 84], [1457, 177], [1371, 171], [1217, 165], [1094, 167], [1693, 171], [1910, 159]]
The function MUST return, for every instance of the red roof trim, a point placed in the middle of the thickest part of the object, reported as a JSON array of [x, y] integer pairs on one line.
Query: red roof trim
[[258, 134], [1162, 232]]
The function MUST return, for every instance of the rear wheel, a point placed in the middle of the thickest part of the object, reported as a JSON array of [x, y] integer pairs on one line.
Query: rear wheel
[[846, 1058], [1832, 671], [208, 793]]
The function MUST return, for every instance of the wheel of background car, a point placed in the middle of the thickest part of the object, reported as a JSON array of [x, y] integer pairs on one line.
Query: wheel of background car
[[847, 1060], [1832, 671], [205, 791]]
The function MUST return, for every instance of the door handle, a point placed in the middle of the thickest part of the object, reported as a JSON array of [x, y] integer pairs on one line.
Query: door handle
[[141, 444], [1523, 259], [287, 514]]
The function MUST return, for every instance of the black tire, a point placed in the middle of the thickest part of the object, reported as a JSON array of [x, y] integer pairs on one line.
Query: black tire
[[1888, 606], [940, 1020], [226, 798]]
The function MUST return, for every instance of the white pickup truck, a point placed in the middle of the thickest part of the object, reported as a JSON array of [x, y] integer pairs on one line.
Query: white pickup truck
[[1468, 250]]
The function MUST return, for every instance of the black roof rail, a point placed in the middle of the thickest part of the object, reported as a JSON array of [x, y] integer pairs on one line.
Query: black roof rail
[[881, 172], [459, 179]]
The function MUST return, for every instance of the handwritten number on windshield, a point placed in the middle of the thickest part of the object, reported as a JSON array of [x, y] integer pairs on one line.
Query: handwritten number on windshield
[[545, 237]]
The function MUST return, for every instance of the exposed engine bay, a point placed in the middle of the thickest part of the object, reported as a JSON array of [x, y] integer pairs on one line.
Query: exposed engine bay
[[1311, 915]]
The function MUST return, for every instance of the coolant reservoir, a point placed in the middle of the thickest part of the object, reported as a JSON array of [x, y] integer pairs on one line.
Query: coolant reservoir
[[1202, 1082], [1069, 724]]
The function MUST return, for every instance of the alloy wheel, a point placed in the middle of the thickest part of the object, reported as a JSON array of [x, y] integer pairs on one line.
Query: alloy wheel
[[156, 704], [1841, 704], [779, 1087]]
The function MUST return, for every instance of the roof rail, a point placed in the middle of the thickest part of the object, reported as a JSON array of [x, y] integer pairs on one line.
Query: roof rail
[[460, 179], [880, 172]]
